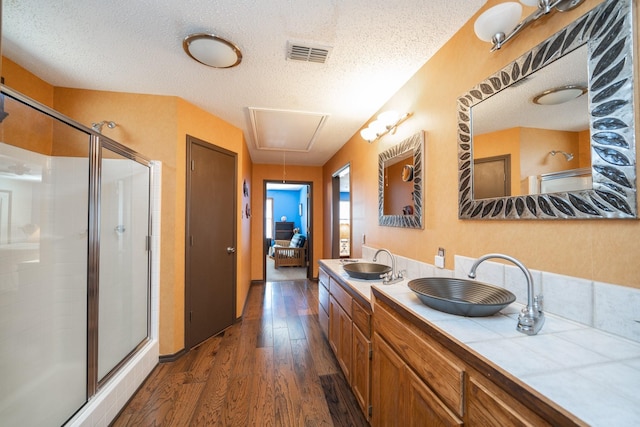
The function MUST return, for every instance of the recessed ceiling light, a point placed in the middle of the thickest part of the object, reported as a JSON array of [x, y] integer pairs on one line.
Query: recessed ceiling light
[[211, 50], [559, 95]]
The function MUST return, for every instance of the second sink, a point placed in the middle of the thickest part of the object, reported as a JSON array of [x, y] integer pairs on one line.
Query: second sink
[[461, 297], [366, 270]]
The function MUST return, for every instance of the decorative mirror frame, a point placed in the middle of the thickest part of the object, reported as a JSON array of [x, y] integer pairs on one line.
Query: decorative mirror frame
[[608, 31], [414, 143]]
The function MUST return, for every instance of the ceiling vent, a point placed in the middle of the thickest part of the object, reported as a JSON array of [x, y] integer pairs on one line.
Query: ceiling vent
[[307, 53]]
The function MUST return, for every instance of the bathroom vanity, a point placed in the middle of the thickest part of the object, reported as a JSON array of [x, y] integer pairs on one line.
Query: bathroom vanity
[[408, 363]]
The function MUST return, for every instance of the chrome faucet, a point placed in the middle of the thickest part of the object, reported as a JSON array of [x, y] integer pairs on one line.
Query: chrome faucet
[[531, 317], [392, 277]]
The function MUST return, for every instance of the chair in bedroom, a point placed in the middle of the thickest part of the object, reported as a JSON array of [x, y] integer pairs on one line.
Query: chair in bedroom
[[293, 255]]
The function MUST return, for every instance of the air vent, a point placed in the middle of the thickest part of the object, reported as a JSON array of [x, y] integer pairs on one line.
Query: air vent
[[307, 53]]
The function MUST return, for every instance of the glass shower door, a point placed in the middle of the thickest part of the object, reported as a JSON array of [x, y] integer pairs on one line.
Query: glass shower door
[[44, 171], [123, 322]]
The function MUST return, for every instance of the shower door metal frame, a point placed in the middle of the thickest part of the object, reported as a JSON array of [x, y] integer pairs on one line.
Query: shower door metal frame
[[96, 142], [100, 143]]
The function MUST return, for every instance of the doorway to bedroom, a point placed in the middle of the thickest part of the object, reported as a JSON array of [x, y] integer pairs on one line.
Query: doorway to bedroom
[[287, 231]]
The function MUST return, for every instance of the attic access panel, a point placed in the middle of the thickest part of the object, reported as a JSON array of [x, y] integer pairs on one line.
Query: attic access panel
[[285, 130]]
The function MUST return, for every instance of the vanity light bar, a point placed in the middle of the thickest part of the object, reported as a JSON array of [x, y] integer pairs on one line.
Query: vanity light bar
[[499, 24], [386, 122]]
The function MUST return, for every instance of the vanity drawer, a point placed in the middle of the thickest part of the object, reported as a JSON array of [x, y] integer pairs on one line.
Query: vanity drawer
[[340, 295], [323, 278], [362, 318], [434, 364], [323, 297], [487, 404]]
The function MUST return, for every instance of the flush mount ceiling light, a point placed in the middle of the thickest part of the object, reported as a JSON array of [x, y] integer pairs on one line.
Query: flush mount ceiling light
[[559, 95], [385, 123], [500, 23], [211, 50]]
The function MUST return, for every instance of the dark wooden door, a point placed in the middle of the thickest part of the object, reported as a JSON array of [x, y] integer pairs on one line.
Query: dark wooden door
[[492, 177], [210, 297]]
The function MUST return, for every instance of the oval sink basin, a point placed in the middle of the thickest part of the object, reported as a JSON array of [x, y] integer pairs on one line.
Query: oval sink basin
[[366, 270], [461, 297]]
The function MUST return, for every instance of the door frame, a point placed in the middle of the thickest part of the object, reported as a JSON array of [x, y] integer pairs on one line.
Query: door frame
[[187, 269], [265, 250], [336, 177]]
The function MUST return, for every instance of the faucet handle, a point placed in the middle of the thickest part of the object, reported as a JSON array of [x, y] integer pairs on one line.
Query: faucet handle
[[538, 303]]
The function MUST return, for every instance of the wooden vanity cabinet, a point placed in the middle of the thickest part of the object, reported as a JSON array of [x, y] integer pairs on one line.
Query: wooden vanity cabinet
[[349, 336], [412, 380], [422, 377]]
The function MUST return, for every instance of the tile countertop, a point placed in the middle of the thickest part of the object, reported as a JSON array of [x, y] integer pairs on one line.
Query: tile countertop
[[593, 374]]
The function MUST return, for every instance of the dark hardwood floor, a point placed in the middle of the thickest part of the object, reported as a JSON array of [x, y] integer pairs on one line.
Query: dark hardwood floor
[[273, 368]]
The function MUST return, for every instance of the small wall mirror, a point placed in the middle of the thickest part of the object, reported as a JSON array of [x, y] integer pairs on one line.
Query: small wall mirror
[[552, 134], [400, 175]]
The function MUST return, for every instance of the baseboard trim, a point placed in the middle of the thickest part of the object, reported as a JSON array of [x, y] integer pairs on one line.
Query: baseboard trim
[[166, 358]]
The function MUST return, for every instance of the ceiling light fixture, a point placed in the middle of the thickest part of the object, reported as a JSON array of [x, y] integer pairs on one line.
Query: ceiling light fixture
[[385, 123], [211, 50], [560, 95], [499, 24]]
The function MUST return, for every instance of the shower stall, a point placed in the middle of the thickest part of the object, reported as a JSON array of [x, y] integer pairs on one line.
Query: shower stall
[[77, 261]]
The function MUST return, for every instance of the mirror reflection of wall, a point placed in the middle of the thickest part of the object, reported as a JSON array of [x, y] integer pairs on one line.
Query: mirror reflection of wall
[[530, 133], [533, 155], [398, 191]]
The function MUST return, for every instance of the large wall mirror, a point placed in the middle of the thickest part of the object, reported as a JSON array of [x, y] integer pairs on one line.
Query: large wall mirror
[[552, 135], [400, 176]]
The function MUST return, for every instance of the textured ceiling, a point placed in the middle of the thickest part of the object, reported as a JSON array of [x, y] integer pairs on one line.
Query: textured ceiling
[[136, 46]]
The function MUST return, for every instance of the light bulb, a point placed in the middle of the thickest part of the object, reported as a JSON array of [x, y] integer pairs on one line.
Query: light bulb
[[378, 126], [501, 18], [368, 134], [389, 118]]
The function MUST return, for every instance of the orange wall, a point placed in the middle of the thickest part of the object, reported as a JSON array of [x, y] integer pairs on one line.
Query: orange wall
[[529, 149], [262, 172], [600, 250], [535, 145], [26, 83], [36, 131]]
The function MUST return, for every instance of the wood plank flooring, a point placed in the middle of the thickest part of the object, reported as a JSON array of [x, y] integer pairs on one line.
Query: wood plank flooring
[[273, 368]]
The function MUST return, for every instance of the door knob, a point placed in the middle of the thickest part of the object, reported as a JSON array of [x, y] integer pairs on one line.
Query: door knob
[[231, 250]]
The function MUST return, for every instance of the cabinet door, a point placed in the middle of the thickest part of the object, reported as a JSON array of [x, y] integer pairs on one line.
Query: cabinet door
[[334, 325], [424, 407], [361, 369], [340, 336], [386, 385]]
